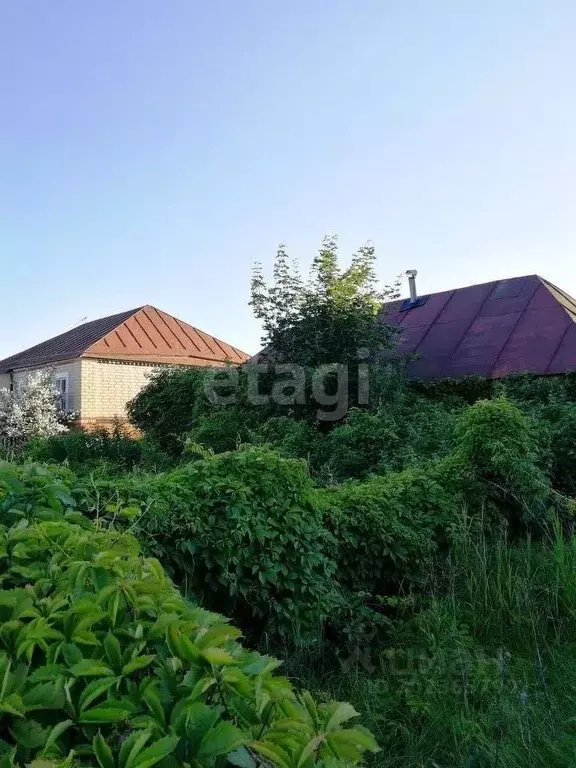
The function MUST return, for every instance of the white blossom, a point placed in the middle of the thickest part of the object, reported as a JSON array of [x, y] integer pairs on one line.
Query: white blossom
[[32, 409]]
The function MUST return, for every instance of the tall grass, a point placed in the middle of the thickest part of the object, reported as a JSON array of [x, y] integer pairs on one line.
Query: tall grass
[[485, 673], [521, 596]]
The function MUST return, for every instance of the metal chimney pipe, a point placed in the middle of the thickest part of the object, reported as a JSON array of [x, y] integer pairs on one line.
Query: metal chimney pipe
[[412, 273]]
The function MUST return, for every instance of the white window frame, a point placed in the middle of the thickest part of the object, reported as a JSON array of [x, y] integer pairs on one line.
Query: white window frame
[[63, 394]]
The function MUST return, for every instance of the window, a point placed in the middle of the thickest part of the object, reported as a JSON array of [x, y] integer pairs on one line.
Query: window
[[62, 391]]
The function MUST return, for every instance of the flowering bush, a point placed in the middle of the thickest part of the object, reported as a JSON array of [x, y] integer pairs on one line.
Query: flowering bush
[[32, 409]]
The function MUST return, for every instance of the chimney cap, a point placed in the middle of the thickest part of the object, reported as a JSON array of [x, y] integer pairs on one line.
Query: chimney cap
[[414, 300]]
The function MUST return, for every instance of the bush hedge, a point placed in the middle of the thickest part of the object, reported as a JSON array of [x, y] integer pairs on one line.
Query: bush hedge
[[99, 450], [387, 529], [241, 529], [499, 444], [87, 449]]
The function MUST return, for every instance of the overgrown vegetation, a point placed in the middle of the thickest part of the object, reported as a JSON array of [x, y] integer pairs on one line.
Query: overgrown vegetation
[[415, 556], [433, 590], [242, 530], [102, 662], [101, 451], [482, 674]]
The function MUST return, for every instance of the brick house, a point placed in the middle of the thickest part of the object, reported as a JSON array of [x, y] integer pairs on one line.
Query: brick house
[[101, 365]]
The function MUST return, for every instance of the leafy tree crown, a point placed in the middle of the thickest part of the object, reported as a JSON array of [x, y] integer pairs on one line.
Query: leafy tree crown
[[332, 317]]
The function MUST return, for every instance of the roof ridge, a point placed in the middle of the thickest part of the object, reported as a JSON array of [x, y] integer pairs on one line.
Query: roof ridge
[[564, 299], [473, 285], [127, 312]]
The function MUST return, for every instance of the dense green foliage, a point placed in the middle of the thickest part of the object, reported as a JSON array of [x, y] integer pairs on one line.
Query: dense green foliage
[[103, 661], [497, 439], [400, 427], [387, 529], [405, 423], [329, 318], [242, 530], [249, 533], [78, 448], [417, 558], [173, 402]]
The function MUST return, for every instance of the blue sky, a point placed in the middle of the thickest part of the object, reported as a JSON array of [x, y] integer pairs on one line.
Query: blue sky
[[151, 150]]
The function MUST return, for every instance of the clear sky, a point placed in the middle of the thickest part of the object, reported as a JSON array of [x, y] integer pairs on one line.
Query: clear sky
[[151, 150]]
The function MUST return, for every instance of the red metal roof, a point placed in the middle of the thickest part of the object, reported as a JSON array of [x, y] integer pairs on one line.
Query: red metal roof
[[145, 334], [524, 324]]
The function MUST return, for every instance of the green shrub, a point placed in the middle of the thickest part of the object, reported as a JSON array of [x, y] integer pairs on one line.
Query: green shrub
[[387, 529], [292, 438], [556, 426], [249, 533], [499, 444], [365, 442], [174, 407], [563, 453], [100, 451], [84, 449], [169, 405], [528, 389], [226, 428], [103, 660], [242, 530], [550, 401], [456, 392], [391, 438]]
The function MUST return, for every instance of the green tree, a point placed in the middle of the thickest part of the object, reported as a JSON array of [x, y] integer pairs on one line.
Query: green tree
[[333, 317]]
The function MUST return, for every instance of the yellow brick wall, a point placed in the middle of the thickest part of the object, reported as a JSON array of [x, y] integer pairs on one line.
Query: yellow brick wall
[[72, 368], [108, 385]]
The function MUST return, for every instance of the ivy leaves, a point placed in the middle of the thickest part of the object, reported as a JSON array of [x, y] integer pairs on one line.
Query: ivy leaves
[[103, 662]]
